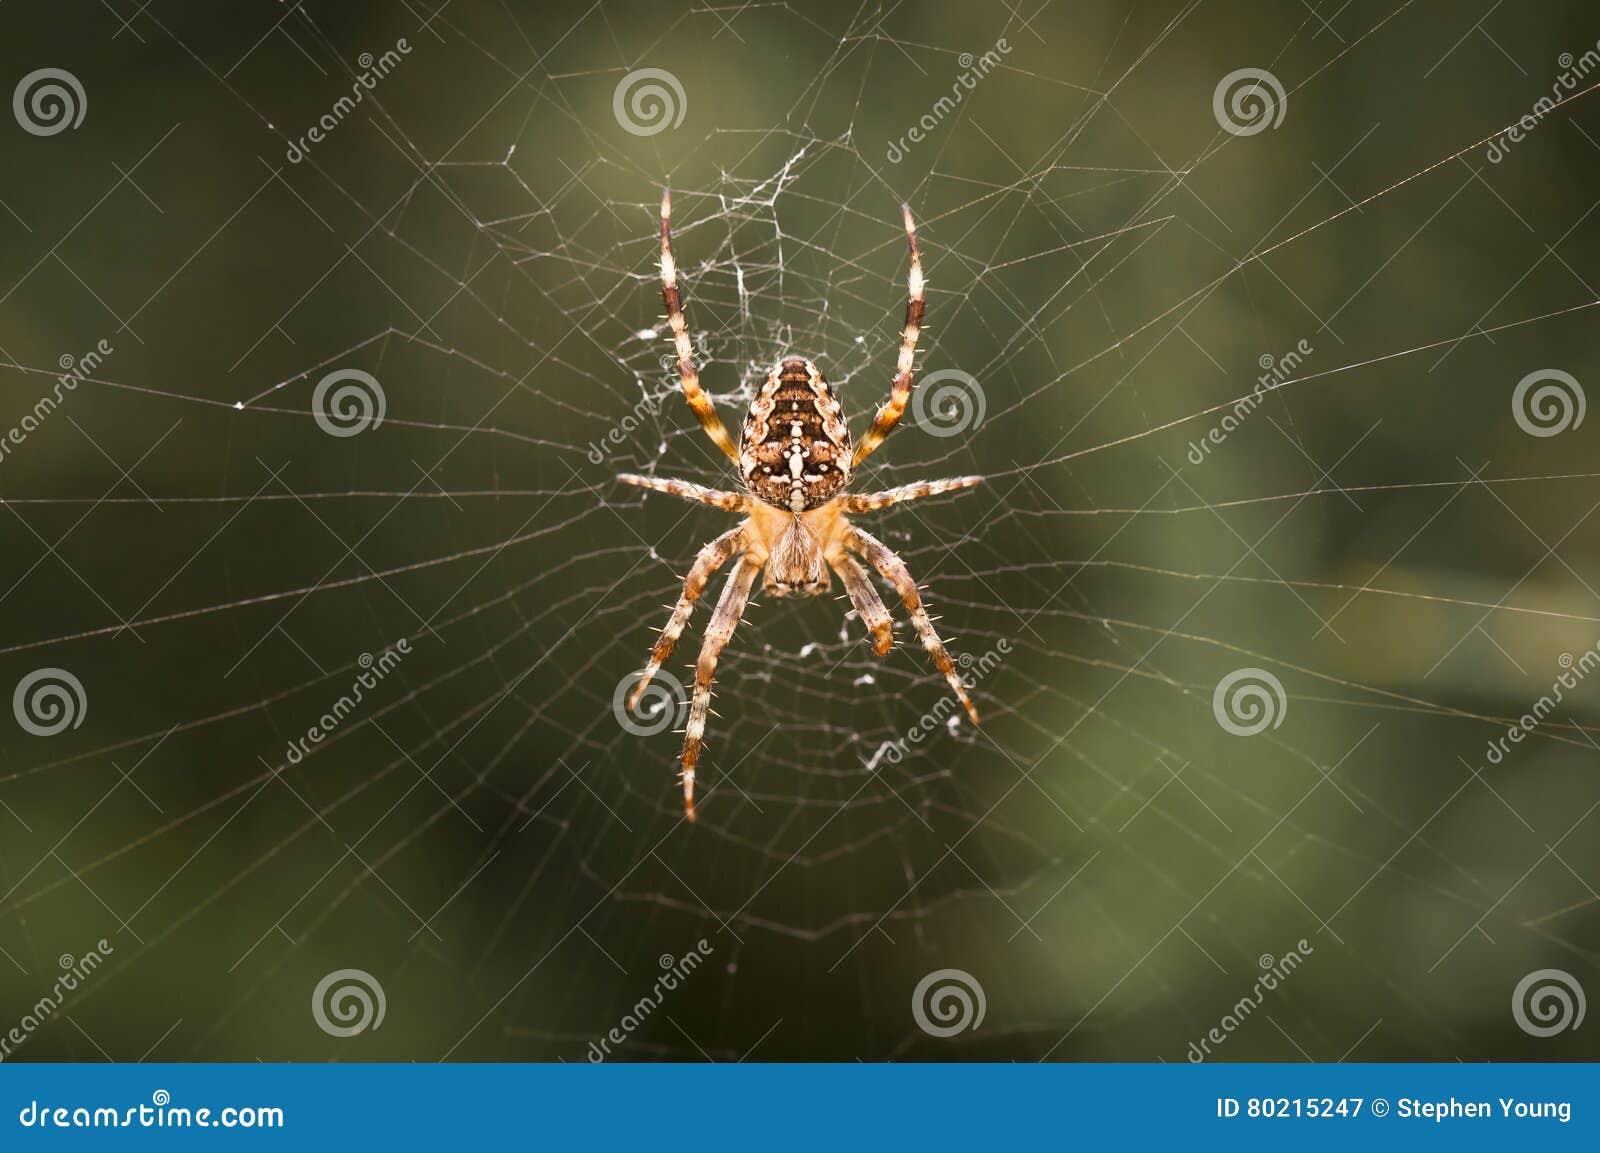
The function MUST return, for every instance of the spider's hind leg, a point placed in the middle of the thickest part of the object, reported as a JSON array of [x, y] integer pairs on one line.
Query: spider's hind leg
[[710, 558], [868, 604], [884, 559], [718, 633]]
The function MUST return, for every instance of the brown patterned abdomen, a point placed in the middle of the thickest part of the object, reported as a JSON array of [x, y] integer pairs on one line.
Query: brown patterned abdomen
[[795, 449]]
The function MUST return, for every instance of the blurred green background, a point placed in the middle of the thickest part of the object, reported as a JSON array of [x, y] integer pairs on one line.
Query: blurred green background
[[1109, 265]]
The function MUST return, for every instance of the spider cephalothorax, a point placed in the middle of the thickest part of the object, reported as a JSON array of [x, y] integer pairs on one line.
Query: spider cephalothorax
[[795, 459]]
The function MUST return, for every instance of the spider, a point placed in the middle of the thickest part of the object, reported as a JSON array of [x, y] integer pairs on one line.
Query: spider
[[795, 460]]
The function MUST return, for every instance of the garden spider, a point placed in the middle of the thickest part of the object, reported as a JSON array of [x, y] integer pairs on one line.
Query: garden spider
[[795, 460]]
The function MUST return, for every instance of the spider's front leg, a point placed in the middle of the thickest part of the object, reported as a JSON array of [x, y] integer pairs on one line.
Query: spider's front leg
[[729, 609], [884, 559], [710, 558], [688, 490], [688, 374], [900, 388], [872, 501]]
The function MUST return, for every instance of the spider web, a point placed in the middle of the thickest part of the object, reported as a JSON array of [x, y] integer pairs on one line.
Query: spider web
[[1109, 271]]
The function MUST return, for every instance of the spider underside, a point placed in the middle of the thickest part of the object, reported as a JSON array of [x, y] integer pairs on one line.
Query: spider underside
[[794, 458]]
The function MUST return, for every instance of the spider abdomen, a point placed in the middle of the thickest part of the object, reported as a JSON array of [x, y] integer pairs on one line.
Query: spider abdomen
[[794, 452]]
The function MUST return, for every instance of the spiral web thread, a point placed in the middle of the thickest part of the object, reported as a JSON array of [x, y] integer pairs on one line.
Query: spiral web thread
[[1104, 857]]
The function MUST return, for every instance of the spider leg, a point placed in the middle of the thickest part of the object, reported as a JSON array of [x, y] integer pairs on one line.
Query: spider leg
[[730, 501], [869, 605], [894, 570], [688, 375], [869, 501], [710, 558], [729, 609], [889, 415]]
